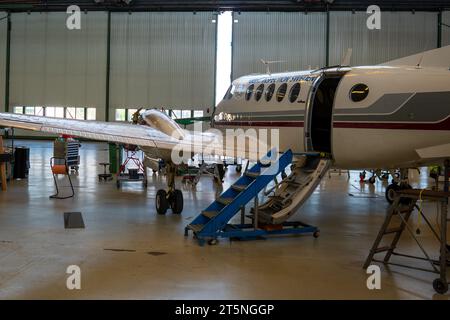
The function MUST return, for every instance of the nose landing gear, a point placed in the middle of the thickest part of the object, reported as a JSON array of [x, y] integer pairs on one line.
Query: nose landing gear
[[172, 198]]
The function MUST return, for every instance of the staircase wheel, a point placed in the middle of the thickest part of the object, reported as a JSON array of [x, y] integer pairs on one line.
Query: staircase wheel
[[213, 242], [440, 286], [177, 201], [161, 202]]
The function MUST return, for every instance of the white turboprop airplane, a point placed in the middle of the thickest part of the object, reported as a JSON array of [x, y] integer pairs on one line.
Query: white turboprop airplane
[[393, 115]]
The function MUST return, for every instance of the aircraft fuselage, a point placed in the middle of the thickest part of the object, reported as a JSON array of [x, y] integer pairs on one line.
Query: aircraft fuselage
[[365, 117]]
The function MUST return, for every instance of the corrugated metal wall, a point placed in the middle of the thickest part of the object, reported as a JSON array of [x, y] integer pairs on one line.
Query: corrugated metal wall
[[401, 34], [167, 59], [297, 38], [445, 29], [3, 32], [162, 60], [54, 66]]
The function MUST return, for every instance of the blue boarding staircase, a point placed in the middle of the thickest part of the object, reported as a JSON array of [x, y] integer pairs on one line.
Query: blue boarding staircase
[[212, 223]]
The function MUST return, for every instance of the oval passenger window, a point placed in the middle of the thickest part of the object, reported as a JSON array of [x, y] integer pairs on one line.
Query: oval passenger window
[[249, 92], [281, 92], [359, 92], [293, 94], [269, 91], [259, 91]]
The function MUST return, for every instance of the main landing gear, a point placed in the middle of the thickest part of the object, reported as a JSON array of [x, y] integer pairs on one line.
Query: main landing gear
[[172, 198], [398, 183]]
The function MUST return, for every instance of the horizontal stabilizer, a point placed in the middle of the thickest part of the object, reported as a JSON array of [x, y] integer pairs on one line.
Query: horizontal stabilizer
[[441, 151], [436, 58]]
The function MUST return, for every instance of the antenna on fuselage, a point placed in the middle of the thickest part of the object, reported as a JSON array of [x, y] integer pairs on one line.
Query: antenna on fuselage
[[268, 63], [420, 61]]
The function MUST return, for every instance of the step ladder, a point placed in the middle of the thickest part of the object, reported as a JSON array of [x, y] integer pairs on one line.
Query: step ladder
[[405, 202], [212, 223], [401, 209]]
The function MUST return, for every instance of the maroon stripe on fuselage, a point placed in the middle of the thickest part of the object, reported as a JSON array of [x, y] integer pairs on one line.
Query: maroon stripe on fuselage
[[293, 124], [443, 125]]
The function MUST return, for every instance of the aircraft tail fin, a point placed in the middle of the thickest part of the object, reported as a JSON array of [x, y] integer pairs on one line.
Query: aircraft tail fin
[[436, 58]]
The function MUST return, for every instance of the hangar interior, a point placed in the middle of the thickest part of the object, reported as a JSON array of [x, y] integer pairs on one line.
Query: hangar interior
[[181, 58]]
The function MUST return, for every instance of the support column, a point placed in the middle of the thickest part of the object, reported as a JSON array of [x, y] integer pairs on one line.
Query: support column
[[215, 65], [108, 66], [327, 45], [8, 60], [439, 31]]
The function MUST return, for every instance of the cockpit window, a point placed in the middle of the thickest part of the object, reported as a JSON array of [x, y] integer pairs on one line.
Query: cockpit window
[[281, 92], [229, 93], [269, 91], [259, 91], [249, 92], [359, 92], [293, 94]]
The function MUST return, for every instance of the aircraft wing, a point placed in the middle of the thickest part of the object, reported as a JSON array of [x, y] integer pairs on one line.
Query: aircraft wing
[[210, 143], [124, 133]]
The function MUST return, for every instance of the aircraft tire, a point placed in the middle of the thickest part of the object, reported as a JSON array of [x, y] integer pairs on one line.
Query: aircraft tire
[[238, 168], [161, 202], [390, 192], [177, 201]]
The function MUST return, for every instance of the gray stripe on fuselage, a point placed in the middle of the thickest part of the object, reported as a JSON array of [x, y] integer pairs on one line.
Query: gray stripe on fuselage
[[422, 107], [387, 103]]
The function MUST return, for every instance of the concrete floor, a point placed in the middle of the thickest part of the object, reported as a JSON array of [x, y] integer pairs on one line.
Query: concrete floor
[[35, 249]]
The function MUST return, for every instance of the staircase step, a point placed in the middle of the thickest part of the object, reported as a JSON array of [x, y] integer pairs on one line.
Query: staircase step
[[393, 230], [265, 165], [210, 214], [252, 174], [224, 201], [293, 183], [382, 249], [227, 205], [238, 187], [196, 227], [277, 198]]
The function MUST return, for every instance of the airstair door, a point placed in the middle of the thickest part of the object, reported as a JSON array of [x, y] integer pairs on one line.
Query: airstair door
[[319, 113]]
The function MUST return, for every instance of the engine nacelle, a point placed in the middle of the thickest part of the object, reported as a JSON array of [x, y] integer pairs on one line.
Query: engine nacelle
[[162, 122]]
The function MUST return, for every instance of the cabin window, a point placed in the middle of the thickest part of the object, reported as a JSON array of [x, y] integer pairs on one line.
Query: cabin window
[[281, 92], [259, 91], [229, 93], [293, 94], [249, 92], [269, 91], [359, 92]]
